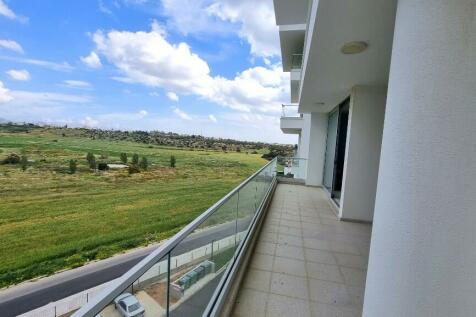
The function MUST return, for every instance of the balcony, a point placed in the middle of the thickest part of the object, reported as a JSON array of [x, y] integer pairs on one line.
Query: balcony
[[296, 66], [291, 121], [306, 262], [283, 241]]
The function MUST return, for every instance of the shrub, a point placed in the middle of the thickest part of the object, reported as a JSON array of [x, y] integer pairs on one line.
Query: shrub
[[24, 162], [72, 166], [103, 166], [104, 156], [133, 169], [90, 157], [12, 158], [124, 158], [172, 161], [135, 159], [144, 164]]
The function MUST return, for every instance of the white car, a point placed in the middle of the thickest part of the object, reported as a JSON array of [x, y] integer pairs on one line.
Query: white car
[[129, 306]]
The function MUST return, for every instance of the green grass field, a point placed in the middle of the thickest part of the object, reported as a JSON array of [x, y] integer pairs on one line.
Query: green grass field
[[51, 220]]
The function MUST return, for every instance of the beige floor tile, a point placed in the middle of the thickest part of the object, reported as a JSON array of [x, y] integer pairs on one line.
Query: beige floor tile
[[329, 293], [351, 260], [290, 230], [319, 256], [283, 306], [289, 285], [269, 237], [326, 272], [353, 277], [265, 248], [286, 239], [258, 280], [289, 266], [261, 262], [289, 251], [307, 263], [325, 310], [250, 303]]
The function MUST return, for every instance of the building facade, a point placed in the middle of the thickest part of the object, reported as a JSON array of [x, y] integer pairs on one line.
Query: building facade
[[385, 91]]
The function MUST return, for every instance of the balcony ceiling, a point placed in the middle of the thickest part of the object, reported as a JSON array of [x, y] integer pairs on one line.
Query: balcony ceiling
[[291, 11], [328, 75], [291, 38]]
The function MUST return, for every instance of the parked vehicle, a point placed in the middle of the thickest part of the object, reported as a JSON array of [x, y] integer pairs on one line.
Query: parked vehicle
[[129, 306]]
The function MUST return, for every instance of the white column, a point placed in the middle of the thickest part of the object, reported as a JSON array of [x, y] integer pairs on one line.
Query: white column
[[364, 139], [317, 148], [423, 249]]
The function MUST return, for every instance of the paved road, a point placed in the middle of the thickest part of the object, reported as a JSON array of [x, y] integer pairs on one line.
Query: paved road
[[30, 295]]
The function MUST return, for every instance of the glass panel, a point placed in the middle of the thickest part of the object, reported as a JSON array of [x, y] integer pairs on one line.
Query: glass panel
[[197, 263], [330, 149], [147, 296]]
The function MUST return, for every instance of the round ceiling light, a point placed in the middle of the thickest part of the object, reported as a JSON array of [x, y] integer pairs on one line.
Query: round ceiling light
[[355, 47]]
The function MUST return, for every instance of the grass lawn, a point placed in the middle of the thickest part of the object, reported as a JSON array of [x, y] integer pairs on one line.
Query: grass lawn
[[51, 220]]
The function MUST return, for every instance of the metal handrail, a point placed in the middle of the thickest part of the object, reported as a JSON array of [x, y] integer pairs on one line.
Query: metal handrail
[[96, 305]]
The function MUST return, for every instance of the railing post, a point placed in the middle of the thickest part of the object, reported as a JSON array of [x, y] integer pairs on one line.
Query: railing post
[[168, 285]]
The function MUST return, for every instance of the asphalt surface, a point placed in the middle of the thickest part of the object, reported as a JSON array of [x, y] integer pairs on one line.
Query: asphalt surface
[[28, 296]]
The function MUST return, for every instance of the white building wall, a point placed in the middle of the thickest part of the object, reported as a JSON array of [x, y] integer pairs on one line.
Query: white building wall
[[317, 148], [364, 138], [423, 248], [303, 151]]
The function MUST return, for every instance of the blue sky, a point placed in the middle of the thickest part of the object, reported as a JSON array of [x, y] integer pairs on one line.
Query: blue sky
[[208, 67]]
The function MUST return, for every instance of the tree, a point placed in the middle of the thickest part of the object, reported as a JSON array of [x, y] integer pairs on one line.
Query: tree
[[90, 157], [144, 164], [124, 158], [24, 162], [91, 160], [172, 161], [72, 166], [135, 159]]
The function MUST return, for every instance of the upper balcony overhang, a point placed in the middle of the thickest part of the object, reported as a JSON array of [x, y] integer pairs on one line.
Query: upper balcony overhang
[[291, 37], [291, 122], [327, 73], [291, 17], [295, 84], [291, 125], [291, 12]]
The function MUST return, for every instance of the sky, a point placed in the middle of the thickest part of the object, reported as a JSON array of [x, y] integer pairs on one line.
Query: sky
[[209, 67]]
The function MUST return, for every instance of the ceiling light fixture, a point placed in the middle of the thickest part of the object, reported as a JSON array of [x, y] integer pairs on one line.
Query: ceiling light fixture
[[355, 47]]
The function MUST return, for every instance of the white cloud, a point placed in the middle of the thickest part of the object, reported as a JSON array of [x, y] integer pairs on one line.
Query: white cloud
[[154, 94], [63, 67], [4, 94], [76, 84], [148, 58], [191, 17], [92, 60], [8, 13], [182, 114], [172, 96], [256, 20], [212, 118], [89, 122], [253, 20], [11, 45], [19, 74], [143, 113]]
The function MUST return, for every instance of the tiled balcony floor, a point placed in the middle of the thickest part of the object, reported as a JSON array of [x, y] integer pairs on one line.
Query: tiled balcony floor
[[306, 262]]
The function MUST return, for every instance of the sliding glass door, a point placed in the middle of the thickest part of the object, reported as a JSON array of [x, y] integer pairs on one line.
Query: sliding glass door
[[330, 149], [335, 150]]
